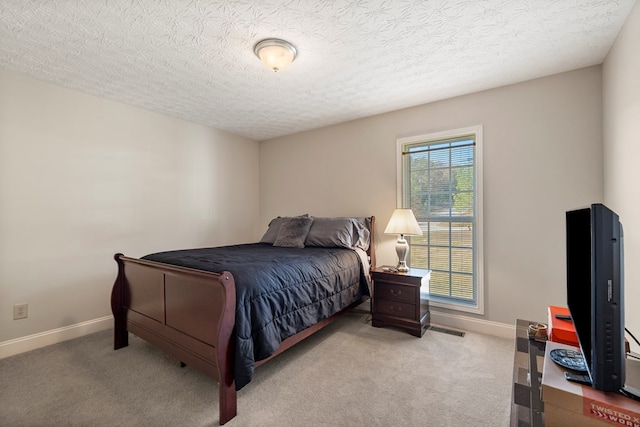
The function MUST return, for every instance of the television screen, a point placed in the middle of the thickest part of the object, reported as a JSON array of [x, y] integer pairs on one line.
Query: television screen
[[595, 292]]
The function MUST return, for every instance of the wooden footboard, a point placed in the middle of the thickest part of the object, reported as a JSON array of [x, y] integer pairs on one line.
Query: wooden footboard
[[187, 313], [190, 314]]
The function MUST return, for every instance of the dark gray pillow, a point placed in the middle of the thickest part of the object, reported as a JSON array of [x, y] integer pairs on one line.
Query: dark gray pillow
[[338, 232], [293, 232], [274, 226]]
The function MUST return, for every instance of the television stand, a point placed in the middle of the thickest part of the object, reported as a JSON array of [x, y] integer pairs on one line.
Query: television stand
[[527, 408]]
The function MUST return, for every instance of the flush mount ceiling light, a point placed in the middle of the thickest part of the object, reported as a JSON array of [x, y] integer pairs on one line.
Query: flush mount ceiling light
[[275, 53]]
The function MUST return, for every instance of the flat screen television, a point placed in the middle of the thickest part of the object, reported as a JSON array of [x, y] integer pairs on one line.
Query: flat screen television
[[595, 287]]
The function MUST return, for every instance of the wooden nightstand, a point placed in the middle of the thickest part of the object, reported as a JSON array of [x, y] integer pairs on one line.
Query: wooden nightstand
[[401, 299]]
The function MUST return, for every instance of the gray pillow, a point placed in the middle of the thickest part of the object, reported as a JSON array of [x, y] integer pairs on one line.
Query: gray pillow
[[293, 232], [338, 232], [363, 228], [274, 226]]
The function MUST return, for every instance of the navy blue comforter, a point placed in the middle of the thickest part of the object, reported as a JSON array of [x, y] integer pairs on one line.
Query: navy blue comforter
[[279, 291]]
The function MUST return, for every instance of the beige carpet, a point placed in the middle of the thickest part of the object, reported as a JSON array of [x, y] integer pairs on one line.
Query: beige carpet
[[349, 374]]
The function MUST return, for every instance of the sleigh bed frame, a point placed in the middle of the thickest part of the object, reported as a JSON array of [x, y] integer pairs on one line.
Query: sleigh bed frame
[[190, 314]]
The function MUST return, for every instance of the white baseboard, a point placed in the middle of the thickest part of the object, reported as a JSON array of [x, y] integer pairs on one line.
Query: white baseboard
[[32, 342], [54, 336], [472, 324]]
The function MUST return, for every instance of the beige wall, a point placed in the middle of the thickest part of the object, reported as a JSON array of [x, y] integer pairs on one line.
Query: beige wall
[[82, 178], [621, 83], [542, 156]]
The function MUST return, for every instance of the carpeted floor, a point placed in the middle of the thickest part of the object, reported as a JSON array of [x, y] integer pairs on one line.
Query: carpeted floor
[[349, 374]]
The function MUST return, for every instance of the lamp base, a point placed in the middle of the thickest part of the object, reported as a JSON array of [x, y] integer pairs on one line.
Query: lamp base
[[402, 267], [402, 249]]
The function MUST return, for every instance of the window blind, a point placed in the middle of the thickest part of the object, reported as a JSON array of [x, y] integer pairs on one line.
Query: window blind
[[440, 187]]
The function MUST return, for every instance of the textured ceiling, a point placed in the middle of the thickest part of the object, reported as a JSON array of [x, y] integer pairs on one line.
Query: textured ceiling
[[194, 59]]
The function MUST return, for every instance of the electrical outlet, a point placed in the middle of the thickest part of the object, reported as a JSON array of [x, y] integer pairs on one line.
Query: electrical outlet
[[20, 311]]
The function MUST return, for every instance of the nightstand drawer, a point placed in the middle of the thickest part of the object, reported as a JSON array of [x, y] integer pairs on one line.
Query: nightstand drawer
[[394, 308], [395, 292]]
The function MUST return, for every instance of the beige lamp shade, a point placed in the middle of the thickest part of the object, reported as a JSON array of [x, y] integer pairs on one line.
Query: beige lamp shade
[[403, 221]]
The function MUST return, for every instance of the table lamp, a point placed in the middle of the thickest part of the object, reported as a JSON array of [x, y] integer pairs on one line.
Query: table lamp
[[403, 222]]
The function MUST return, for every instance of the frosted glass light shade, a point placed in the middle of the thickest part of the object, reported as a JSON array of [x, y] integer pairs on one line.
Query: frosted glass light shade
[[275, 53]]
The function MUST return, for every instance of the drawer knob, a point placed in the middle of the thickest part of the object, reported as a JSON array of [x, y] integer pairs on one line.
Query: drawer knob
[[396, 309], [395, 292]]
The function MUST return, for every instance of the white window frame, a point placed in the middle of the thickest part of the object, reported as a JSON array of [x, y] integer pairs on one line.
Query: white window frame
[[436, 301]]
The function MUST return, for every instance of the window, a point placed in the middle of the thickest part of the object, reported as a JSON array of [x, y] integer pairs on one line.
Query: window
[[440, 179]]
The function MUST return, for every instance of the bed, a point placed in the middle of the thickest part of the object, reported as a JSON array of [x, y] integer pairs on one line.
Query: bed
[[226, 310]]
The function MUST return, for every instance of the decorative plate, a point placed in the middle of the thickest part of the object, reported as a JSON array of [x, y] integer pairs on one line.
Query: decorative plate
[[569, 359]]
